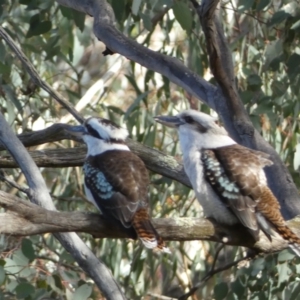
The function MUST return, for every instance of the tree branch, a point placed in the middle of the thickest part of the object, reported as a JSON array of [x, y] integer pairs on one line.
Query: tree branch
[[25, 218], [220, 59], [154, 160], [105, 31]]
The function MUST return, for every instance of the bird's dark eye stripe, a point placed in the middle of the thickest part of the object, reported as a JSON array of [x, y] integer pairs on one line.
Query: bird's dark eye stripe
[[93, 132], [201, 128], [189, 119], [109, 123]]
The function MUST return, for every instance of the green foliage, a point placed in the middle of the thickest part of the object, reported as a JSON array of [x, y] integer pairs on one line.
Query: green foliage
[[263, 36], [183, 14]]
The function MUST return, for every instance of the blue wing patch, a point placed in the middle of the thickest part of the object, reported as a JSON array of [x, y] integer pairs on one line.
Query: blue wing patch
[[216, 175], [96, 181]]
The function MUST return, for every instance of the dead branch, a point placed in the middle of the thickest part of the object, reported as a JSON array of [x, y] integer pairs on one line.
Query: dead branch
[[23, 218]]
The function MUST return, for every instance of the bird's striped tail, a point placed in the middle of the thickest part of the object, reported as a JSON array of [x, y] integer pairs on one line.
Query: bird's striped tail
[[270, 208], [291, 237], [147, 233]]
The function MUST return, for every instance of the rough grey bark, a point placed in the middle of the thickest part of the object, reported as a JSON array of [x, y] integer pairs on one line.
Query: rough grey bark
[[24, 218], [39, 195]]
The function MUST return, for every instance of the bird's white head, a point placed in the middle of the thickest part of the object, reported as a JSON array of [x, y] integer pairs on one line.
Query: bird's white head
[[101, 135], [197, 128], [105, 129]]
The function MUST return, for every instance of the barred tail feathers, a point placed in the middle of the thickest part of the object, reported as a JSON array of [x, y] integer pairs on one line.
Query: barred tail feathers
[[270, 208], [291, 237], [295, 248], [147, 233]]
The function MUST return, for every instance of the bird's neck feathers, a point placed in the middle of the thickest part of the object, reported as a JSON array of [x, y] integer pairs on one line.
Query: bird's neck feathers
[[210, 140], [97, 146]]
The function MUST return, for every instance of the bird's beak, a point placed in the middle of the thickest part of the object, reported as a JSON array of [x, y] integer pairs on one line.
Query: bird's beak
[[170, 121], [75, 130]]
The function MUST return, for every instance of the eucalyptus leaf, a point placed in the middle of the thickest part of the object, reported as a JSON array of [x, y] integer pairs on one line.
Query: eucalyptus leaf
[[27, 249], [2, 275], [136, 6], [284, 273], [135, 104], [38, 26], [79, 19], [83, 292], [10, 95], [183, 14], [262, 4], [221, 291], [24, 289]]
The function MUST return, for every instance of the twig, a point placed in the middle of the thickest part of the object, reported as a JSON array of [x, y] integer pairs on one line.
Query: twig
[[36, 77], [14, 184], [67, 266], [161, 297], [216, 256], [211, 273]]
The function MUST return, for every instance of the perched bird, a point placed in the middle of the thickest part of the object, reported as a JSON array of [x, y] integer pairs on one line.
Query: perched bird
[[116, 180], [228, 179]]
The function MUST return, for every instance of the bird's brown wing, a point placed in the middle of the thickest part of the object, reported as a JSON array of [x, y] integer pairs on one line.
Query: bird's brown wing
[[235, 173], [118, 189], [245, 166]]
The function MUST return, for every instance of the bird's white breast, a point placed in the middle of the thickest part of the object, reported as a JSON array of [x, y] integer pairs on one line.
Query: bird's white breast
[[210, 202], [90, 196]]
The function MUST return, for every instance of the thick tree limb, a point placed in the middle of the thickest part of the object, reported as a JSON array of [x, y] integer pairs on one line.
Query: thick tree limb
[[58, 158], [221, 59], [25, 218], [105, 31], [71, 242]]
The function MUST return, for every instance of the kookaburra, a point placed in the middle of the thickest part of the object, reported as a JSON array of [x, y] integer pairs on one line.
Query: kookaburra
[[116, 180], [228, 179]]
